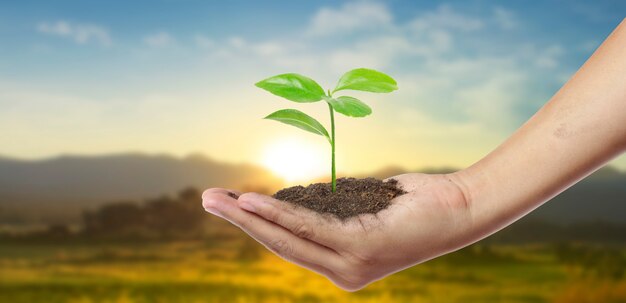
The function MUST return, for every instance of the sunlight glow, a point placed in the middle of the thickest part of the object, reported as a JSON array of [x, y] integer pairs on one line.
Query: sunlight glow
[[296, 160]]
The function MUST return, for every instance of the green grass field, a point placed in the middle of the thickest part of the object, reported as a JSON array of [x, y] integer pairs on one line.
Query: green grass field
[[198, 271]]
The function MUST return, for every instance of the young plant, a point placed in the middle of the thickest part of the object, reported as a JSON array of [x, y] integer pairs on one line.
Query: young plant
[[302, 89]]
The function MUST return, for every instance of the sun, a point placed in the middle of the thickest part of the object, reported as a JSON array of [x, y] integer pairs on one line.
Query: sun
[[295, 160]]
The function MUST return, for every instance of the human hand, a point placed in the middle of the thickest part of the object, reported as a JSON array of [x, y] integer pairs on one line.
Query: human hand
[[431, 219]]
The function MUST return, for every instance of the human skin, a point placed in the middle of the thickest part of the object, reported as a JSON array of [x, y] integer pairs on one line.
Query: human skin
[[576, 132]]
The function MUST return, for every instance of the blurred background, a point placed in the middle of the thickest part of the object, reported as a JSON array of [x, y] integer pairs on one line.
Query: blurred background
[[115, 115]]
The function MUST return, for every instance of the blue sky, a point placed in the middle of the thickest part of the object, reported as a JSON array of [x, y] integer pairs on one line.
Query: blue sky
[[94, 77]]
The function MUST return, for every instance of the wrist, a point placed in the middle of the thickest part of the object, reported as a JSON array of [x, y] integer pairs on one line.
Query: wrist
[[472, 182], [462, 180]]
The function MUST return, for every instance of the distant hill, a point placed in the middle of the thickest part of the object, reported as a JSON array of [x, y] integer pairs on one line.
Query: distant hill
[[599, 197], [59, 189]]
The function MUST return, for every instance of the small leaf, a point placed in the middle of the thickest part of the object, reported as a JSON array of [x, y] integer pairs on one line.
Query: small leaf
[[299, 119], [367, 80], [293, 87], [350, 106]]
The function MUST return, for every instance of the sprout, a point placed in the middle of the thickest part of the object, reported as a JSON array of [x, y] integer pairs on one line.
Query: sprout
[[302, 89]]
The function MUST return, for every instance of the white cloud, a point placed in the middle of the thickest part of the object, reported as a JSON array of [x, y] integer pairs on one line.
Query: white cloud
[[277, 53], [505, 18], [445, 18], [543, 58], [476, 85], [491, 101], [484, 91], [204, 42], [80, 33], [269, 48], [377, 52], [352, 16], [428, 35], [237, 42], [160, 39], [589, 46], [549, 57]]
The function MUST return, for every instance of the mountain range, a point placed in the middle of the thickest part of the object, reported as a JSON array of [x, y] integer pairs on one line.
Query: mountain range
[[60, 189]]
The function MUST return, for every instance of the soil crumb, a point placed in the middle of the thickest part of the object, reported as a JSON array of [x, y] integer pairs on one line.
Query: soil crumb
[[353, 196]]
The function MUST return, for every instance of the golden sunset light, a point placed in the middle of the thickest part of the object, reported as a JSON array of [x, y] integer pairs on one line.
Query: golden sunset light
[[295, 159]]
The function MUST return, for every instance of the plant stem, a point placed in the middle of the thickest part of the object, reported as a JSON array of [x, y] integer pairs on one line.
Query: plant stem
[[332, 145]]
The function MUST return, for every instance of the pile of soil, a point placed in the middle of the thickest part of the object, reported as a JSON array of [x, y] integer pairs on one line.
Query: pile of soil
[[353, 196]]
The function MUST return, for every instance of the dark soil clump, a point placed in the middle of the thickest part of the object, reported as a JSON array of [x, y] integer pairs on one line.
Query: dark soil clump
[[353, 196]]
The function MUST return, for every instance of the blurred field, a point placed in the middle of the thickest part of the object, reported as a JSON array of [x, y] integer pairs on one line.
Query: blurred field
[[167, 249], [240, 271]]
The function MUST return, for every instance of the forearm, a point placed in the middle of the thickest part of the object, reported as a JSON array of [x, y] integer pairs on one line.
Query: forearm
[[581, 128]]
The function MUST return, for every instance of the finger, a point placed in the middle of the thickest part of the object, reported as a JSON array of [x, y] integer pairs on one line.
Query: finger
[[323, 269], [274, 237], [301, 223], [216, 190]]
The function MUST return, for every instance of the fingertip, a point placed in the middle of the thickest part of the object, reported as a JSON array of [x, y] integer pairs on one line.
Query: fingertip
[[210, 203], [207, 193], [217, 203], [217, 190]]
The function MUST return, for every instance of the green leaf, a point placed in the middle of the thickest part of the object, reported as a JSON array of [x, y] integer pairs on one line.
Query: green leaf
[[300, 120], [367, 80], [350, 106], [293, 87]]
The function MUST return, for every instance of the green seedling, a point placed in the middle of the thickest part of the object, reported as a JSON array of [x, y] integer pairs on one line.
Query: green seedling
[[302, 89]]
